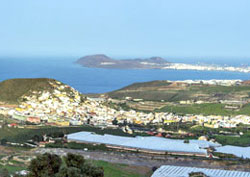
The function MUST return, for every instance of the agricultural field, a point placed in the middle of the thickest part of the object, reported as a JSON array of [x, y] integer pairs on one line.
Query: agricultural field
[[205, 109]]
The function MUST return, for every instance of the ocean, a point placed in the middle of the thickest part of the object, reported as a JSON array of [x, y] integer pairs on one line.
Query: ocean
[[95, 80]]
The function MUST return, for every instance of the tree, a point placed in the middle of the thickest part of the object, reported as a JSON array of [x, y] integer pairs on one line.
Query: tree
[[45, 165], [93, 171], [154, 168], [3, 142], [57, 135], [197, 174], [69, 172], [49, 165], [125, 122], [163, 134], [115, 122], [74, 162]]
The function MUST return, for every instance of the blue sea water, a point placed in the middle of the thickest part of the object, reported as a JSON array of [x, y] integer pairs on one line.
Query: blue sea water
[[92, 80]]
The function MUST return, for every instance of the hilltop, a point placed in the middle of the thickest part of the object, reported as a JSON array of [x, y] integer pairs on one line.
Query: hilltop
[[14, 90], [103, 61]]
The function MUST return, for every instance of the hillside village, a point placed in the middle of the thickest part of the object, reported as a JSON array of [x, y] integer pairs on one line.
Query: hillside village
[[65, 106]]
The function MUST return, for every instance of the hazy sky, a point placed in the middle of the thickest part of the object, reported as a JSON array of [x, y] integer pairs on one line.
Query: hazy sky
[[125, 27]]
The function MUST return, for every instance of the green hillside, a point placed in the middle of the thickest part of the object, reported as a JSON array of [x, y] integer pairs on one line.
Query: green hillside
[[11, 90], [175, 92], [146, 85]]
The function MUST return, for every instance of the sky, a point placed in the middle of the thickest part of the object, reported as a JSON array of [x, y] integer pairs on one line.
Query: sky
[[125, 28]]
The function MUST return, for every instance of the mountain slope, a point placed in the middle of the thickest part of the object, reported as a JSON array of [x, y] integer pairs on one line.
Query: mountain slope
[[179, 91]]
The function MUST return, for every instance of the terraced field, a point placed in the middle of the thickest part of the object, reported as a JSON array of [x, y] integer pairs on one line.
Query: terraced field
[[166, 96], [174, 92]]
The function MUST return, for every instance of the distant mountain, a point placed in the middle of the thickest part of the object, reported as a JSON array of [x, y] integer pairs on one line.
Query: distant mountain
[[103, 61]]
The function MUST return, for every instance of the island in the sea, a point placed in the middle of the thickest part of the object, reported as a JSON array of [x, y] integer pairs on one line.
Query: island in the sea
[[103, 61]]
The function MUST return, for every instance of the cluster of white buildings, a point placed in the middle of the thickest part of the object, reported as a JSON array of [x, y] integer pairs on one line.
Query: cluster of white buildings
[[72, 111], [182, 66], [213, 82]]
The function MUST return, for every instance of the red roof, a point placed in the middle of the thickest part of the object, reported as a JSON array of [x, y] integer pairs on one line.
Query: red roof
[[13, 124]]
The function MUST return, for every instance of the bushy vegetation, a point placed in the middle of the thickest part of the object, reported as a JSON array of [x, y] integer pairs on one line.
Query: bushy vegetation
[[71, 165]]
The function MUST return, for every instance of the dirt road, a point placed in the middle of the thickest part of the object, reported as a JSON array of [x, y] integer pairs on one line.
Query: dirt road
[[148, 160]]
